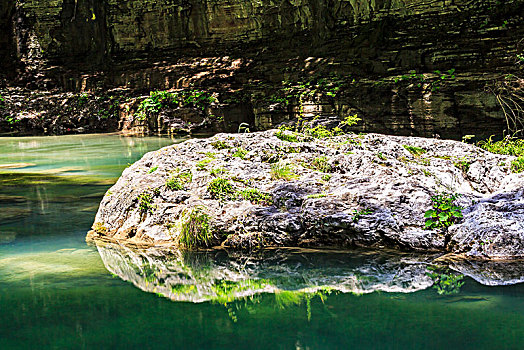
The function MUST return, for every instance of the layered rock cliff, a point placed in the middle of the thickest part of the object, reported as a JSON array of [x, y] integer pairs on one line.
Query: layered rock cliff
[[394, 55]]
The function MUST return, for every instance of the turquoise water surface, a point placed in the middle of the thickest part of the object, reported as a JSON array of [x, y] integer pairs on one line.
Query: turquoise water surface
[[57, 292]]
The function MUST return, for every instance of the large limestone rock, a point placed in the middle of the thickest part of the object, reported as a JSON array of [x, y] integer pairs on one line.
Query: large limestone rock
[[367, 190]]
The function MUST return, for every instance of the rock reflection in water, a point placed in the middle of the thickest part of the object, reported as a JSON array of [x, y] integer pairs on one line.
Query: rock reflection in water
[[222, 276]]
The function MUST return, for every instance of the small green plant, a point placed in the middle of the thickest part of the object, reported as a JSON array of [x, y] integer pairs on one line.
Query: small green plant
[[321, 164], [283, 170], [462, 164], [415, 151], [466, 138], [220, 189], [444, 212], [359, 213], [152, 170], [177, 182], [218, 171], [220, 145], [256, 197], [202, 165], [517, 165], [381, 156], [316, 195], [326, 177], [287, 135], [445, 281], [174, 184], [145, 202], [240, 153], [195, 228]]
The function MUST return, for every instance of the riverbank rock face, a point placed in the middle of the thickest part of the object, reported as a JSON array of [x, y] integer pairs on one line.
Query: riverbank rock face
[[254, 190]]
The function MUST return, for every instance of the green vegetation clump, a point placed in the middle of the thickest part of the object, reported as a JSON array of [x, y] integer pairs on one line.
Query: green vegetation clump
[[415, 151], [145, 202], [445, 281], [326, 177], [220, 189], [240, 153], [508, 146], [321, 164], [306, 130], [220, 145], [418, 80], [202, 165], [444, 212], [463, 164], [256, 197], [517, 165], [195, 229], [218, 171], [283, 170], [177, 182], [152, 170], [158, 100]]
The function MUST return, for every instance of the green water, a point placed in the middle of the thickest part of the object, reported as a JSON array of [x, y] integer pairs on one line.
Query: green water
[[56, 292]]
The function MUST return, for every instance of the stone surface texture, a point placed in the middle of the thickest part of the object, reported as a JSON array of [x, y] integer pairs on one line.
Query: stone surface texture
[[363, 190]]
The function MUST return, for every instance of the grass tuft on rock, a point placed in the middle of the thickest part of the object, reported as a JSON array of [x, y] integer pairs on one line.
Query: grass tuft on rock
[[256, 197], [195, 229], [283, 170], [220, 189]]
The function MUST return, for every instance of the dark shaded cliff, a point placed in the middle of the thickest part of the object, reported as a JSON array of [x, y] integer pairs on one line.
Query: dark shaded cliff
[[392, 55]]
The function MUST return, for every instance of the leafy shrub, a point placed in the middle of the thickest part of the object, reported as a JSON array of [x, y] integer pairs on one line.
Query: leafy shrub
[[221, 189], [444, 213], [158, 100]]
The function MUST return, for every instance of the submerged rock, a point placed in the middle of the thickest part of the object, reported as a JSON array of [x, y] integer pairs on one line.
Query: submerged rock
[[254, 190]]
